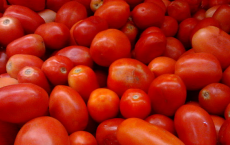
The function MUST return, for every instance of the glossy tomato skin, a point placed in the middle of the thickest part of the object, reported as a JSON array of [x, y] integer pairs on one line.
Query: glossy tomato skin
[[106, 132], [185, 120], [227, 112], [159, 3], [55, 5], [226, 76], [67, 106], [8, 132], [33, 102], [218, 122], [42, 130], [83, 138], [198, 70], [35, 5], [3, 61], [32, 44], [169, 26], [167, 93], [55, 35], [29, 19], [223, 136], [136, 131], [128, 73], [116, 13], [11, 29], [5, 81]]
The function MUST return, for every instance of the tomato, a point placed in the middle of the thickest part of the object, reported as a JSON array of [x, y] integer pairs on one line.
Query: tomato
[[116, 13], [70, 13], [200, 14], [33, 102], [169, 26], [226, 76], [11, 29], [67, 106], [106, 132], [16, 62], [160, 3], [58, 65], [107, 42], [55, 35], [149, 30], [8, 132], [224, 132], [55, 5], [3, 61], [218, 46], [162, 121], [32, 44], [194, 126], [86, 3], [42, 130], [147, 14], [209, 12], [217, 2], [128, 73], [84, 80], [198, 70], [167, 93], [227, 112], [48, 15], [82, 138], [29, 19], [85, 30], [35, 5], [136, 131], [218, 122], [95, 4], [103, 104], [135, 103], [34, 75], [5, 81], [162, 65], [79, 55], [214, 98]]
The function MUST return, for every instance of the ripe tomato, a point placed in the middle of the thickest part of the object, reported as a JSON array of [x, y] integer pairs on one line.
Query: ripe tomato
[[218, 122], [35, 5], [169, 26], [224, 132], [82, 138], [128, 73], [48, 15], [227, 112], [199, 14], [194, 126], [103, 104], [5, 81], [33, 102], [8, 132], [209, 12], [149, 30], [42, 130], [136, 131], [226, 76], [106, 132], [67, 106], [160, 3], [3, 61], [198, 70], [55, 5]]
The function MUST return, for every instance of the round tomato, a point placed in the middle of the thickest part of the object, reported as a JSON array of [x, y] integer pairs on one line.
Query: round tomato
[[82, 138]]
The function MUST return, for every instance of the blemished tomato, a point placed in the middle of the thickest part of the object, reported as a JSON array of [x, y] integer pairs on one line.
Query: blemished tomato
[[167, 93], [224, 132], [194, 126], [82, 138], [218, 122], [67, 106], [136, 131], [128, 73], [214, 98], [218, 46], [33, 102], [106, 132], [198, 70], [8, 132], [151, 29], [5, 81], [42, 130], [103, 104], [135, 103], [48, 15]]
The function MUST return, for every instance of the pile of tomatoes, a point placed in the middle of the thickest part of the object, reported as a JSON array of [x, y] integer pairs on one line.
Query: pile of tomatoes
[[121, 72]]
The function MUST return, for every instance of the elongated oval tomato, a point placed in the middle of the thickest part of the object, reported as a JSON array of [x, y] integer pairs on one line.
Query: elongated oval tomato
[[195, 126], [136, 131], [21, 102]]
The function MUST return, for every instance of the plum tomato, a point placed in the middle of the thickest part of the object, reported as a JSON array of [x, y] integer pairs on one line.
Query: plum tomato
[[82, 138], [218, 122], [224, 132]]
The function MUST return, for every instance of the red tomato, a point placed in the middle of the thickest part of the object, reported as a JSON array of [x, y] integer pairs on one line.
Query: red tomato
[[167, 93], [29, 19], [116, 13], [82, 138], [16, 62], [209, 12], [200, 14], [162, 121], [136, 131], [135, 103], [95, 4], [84, 80], [57, 68], [169, 26], [160, 3], [3, 61], [55, 5], [86, 3], [219, 45], [34, 75], [85, 30], [32, 44], [70, 13], [214, 98], [55, 35], [107, 42], [149, 30], [48, 15], [42, 130], [147, 14], [218, 122], [128, 73], [226, 76], [194, 126], [79, 55], [67, 106], [35, 5], [224, 133], [198, 70], [6, 81], [33, 102], [11, 29], [217, 2], [103, 104], [106, 132]]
